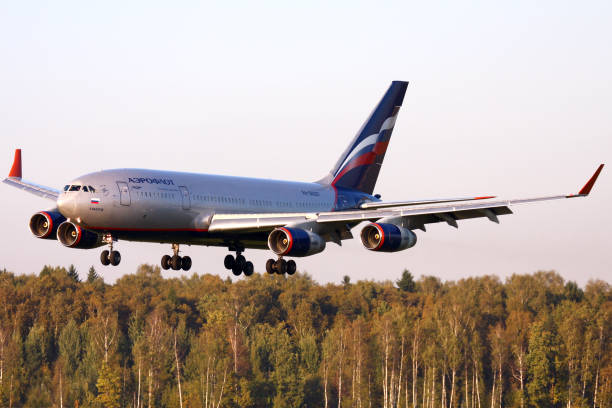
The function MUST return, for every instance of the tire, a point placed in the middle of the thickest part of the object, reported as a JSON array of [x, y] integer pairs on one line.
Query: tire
[[165, 262], [175, 262], [229, 262], [236, 271], [270, 266], [248, 268], [281, 267], [186, 263], [291, 267], [115, 258], [240, 262], [104, 258]]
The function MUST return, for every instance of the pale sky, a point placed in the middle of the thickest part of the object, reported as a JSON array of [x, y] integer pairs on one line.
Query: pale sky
[[512, 99]]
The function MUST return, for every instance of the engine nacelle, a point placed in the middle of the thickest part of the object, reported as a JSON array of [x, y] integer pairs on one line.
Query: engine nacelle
[[73, 236], [387, 237], [44, 224], [295, 242]]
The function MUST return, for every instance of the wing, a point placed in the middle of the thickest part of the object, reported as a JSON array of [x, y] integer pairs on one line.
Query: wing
[[14, 179], [409, 214]]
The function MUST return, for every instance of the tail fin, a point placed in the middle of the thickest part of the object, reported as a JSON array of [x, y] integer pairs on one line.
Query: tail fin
[[359, 165]]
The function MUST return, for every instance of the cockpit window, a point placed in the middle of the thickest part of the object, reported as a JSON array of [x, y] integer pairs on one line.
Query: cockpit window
[[91, 189], [74, 187], [85, 189], [66, 187]]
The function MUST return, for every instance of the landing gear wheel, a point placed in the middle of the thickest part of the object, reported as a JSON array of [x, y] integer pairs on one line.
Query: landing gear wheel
[[236, 271], [115, 258], [104, 257], [240, 262], [291, 267], [248, 268], [186, 263], [165, 262], [281, 267], [270, 266], [229, 262], [175, 262]]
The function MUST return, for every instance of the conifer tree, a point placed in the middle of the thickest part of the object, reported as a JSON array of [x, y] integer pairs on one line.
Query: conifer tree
[[92, 275], [109, 387], [72, 272]]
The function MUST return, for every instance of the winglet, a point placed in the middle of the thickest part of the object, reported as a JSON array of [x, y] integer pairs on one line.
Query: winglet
[[16, 169], [589, 185]]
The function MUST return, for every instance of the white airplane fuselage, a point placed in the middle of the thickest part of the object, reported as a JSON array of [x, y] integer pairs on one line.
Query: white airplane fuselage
[[165, 206]]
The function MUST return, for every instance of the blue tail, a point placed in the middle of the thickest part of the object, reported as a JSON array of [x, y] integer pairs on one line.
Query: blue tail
[[359, 165]]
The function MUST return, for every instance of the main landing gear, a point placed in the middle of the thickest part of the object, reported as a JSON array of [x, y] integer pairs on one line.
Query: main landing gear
[[281, 266], [109, 256], [175, 261], [238, 264]]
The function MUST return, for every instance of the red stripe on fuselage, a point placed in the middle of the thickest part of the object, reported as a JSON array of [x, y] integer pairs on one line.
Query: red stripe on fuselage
[[149, 229]]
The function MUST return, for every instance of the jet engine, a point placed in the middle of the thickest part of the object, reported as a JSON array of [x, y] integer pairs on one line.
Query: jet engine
[[73, 236], [295, 242], [387, 237], [44, 224]]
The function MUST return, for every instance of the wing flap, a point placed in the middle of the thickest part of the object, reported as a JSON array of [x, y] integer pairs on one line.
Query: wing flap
[[412, 216]]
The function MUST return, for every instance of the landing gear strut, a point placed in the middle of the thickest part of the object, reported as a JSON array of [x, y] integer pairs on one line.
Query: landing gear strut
[[238, 264], [175, 261], [109, 256], [281, 266]]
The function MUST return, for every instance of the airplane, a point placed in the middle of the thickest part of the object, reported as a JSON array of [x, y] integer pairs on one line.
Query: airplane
[[292, 219]]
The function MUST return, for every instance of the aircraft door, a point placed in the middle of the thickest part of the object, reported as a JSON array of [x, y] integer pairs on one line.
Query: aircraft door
[[124, 193], [186, 202]]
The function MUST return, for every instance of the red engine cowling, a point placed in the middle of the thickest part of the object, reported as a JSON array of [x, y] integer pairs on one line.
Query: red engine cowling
[[44, 224], [387, 237], [73, 236], [295, 242]]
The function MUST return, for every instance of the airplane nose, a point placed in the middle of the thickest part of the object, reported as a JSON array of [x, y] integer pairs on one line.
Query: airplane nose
[[66, 205]]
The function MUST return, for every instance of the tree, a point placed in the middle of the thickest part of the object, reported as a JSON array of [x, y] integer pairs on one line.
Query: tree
[[73, 274], [92, 275], [109, 387], [406, 282], [540, 361]]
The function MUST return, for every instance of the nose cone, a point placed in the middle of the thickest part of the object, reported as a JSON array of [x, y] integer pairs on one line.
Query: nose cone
[[66, 204]]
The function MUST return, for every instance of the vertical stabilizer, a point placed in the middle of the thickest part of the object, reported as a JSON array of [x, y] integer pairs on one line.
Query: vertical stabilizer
[[358, 167]]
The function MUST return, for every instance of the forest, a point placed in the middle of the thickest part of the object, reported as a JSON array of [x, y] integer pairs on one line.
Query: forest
[[276, 341]]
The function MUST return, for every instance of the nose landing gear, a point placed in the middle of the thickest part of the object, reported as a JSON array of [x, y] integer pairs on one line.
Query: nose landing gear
[[109, 256], [281, 266], [238, 264], [175, 261]]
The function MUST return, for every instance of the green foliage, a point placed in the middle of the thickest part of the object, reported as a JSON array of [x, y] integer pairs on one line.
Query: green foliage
[[92, 275], [280, 342], [406, 282], [73, 274], [109, 387], [541, 365]]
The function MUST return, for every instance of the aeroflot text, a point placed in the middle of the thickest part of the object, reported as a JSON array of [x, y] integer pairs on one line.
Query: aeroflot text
[[150, 180]]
